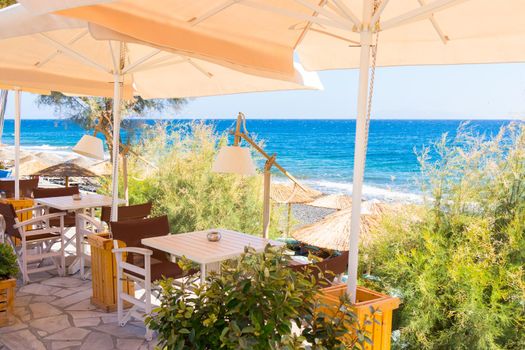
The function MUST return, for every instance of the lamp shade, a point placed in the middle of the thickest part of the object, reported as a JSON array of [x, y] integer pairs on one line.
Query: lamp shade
[[90, 146], [235, 160]]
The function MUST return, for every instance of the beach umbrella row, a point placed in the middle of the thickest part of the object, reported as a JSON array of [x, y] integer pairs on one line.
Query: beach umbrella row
[[261, 37], [42, 52]]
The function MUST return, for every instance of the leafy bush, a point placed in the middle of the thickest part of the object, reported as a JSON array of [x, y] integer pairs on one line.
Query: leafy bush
[[185, 188], [252, 304], [8, 262], [460, 266]]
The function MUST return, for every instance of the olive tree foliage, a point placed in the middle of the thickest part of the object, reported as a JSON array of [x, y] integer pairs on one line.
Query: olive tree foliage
[[5, 3], [95, 113]]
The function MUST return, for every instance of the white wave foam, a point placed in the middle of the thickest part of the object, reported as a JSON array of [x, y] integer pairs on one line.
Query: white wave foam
[[369, 192]]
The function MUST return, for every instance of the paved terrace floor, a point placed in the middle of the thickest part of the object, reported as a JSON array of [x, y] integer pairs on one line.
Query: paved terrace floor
[[55, 313]]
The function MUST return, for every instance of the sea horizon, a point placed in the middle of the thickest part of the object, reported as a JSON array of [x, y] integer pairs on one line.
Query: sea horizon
[[319, 152]]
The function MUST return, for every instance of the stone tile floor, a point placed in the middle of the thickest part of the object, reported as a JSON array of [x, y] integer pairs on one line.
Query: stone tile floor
[[54, 313]]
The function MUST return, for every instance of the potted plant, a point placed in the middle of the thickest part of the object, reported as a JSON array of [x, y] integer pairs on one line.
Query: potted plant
[[254, 303], [8, 270]]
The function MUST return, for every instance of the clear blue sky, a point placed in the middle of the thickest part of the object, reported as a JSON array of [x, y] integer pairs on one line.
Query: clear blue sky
[[452, 92]]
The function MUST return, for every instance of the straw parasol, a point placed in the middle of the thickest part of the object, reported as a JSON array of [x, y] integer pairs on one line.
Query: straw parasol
[[332, 201], [30, 165], [333, 231], [292, 194], [66, 170], [102, 168]]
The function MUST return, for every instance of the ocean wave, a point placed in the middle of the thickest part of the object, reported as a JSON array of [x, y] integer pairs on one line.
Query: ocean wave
[[369, 192]]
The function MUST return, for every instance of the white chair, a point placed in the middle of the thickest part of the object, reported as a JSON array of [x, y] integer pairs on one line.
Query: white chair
[[86, 224], [34, 238], [141, 265]]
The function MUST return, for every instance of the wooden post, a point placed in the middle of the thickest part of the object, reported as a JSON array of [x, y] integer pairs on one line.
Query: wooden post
[[7, 300], [104, 273], [266, 198]]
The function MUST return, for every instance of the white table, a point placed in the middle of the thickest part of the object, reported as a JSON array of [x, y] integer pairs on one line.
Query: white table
[[196, 247], [67, 203]]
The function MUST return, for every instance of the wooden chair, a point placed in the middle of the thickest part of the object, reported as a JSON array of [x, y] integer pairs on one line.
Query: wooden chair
[[129, 212], [69, 218], [26, 187], [36, 238], [142, 265], [327, 271], [89, 224]]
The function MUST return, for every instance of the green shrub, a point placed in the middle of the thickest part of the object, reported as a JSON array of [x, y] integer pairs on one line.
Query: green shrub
[[460, 266], [185, 188], [8, 262], [252, 304]]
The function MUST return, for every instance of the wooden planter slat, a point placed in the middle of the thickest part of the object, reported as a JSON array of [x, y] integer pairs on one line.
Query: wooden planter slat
[[7, 300], [380, 332], [104, 273]]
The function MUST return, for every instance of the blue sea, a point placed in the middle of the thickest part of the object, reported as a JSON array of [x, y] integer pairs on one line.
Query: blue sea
[[319, 152]]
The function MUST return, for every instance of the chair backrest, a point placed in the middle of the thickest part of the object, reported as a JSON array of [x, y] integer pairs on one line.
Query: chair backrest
[[9, 214], [40, 192], [125, 213], [327, 268], [26, 187], [132, 231]]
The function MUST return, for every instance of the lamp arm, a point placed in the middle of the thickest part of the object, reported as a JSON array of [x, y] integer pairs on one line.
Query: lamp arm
[[268, 157]]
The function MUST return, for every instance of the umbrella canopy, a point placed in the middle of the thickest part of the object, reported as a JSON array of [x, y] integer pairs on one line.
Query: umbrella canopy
[[31, 165], [67, 169], [332, 201], [71, 56], [324, 33], [292, 194], [74, 56], [101, 168], [333, 231]]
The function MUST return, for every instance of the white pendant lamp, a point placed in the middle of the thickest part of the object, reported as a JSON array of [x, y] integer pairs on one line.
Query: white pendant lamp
[[234, 160], [90, 146]]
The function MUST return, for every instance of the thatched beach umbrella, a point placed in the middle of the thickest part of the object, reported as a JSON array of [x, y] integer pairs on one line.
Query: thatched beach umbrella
[[333, 231], [332, 201], [30, 166], [66, 170], [292, 194]]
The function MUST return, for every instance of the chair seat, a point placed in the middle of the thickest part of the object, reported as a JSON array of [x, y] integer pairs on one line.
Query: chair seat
[[43, 236], [160, 269]]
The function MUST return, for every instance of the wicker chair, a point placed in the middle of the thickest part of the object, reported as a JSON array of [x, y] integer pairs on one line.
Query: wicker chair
[[142, 265], [34, 233]]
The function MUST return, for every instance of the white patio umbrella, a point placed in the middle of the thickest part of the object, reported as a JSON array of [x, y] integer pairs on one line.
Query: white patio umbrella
[[40, 51], [261, 36]]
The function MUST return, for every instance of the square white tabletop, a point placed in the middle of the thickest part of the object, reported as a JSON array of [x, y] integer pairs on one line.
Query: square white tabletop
[[196, 247], [88, 200]]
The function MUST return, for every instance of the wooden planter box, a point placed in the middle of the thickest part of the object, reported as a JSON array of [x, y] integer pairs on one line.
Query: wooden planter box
[[7, 300], [104, 273], [381, 331]]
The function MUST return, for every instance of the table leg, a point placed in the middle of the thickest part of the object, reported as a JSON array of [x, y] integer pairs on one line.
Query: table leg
[[203, 273]]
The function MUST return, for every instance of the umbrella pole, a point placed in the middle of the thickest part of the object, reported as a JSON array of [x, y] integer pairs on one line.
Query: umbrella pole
[[125, 176], [360, 151], [67, 181], [17, 144], [116, 129]]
